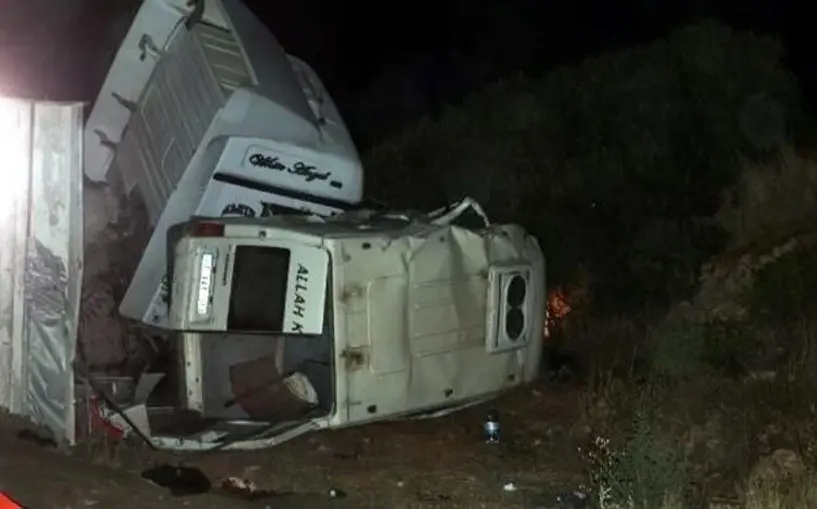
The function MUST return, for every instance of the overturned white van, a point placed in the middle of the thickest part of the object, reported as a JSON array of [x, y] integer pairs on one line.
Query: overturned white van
[[203, 113], [296, 323]]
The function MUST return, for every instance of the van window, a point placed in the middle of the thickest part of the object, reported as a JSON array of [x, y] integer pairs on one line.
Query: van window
[[259, 288]]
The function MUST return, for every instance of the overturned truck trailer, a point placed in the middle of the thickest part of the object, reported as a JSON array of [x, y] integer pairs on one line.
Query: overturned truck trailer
[[41, 258], [203, 113]]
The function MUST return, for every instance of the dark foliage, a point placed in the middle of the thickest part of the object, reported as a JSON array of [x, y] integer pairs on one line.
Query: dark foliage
[[617, 165]]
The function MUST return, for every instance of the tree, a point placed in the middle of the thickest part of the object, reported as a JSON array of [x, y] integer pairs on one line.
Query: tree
[[616, 164]]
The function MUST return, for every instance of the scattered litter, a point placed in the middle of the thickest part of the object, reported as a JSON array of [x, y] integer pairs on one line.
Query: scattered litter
[[431, 498], [120, 421], [36, 438], [491, 427], [561, 374], [239, 485], [509, 487], [400, 484], [181, 481], [336, 493], [575, 500], [300, 386], [246, 489], [347, 456]]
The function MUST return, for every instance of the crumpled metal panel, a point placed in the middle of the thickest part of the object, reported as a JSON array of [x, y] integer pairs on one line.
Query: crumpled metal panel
[[40, 260], [415, 320]]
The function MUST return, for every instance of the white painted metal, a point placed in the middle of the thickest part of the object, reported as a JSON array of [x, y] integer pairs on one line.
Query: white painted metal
[[305, 300], [208, 441], [133, 66], [177, 97], [411, 304], [192, 368], [40, 260]]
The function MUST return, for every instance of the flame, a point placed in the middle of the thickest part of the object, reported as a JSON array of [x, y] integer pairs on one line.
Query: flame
[[556, 310]]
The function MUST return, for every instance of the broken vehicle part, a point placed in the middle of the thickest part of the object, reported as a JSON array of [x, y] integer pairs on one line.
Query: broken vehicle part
[[384, 315]]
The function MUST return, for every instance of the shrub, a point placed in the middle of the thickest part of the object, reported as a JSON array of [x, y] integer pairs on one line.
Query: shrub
[[785, 290], [678, 351], [643, 474], [616, 164], [799, 493], [770, 201]]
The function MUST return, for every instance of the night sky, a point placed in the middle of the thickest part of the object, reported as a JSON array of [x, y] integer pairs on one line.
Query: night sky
[[401, 60], [387, 63]]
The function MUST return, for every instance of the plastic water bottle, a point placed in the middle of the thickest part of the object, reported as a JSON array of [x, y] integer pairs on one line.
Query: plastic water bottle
[[491, 428]]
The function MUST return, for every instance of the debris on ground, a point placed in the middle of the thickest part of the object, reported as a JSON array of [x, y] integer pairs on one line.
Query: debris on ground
[[35, 438], [336, 493], [246, 489], [576, 499], [491, 427], [181, 481]]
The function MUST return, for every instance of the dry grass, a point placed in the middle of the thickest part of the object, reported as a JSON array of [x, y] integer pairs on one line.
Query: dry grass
[[749, 442], [780, 480], [781, 476], [781, 493], [799, 493]]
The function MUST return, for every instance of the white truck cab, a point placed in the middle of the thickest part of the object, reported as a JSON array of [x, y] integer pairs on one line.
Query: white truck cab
[[203, 113], [294, 323]]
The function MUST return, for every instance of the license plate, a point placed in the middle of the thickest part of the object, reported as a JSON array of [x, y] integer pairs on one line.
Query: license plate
[[205, 283]]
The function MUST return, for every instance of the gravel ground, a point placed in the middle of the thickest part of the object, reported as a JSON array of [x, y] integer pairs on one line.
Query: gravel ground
[[429, 463]]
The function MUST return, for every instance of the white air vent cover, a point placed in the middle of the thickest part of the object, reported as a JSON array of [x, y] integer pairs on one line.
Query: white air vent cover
[[510, 318]]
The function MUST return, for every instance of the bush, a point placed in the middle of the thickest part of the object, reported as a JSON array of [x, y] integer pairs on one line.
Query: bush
[[785, 290], [616, 164], [643, 474], [689, 350], [770, 201], [678, 352]]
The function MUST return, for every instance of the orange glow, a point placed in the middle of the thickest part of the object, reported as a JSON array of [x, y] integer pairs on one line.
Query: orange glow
[[557, 309], [7, 502]]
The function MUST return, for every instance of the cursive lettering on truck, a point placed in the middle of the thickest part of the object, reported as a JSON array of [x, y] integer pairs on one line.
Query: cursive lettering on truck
[[307, 171]]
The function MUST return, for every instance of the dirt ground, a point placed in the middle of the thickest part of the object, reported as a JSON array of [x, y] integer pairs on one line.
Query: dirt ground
[[429, 463]]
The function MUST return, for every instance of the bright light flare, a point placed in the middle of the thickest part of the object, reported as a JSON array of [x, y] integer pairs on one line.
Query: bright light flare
[[15, 154]]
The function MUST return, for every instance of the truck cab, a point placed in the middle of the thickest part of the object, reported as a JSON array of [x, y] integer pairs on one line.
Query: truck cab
[[204, 113]]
